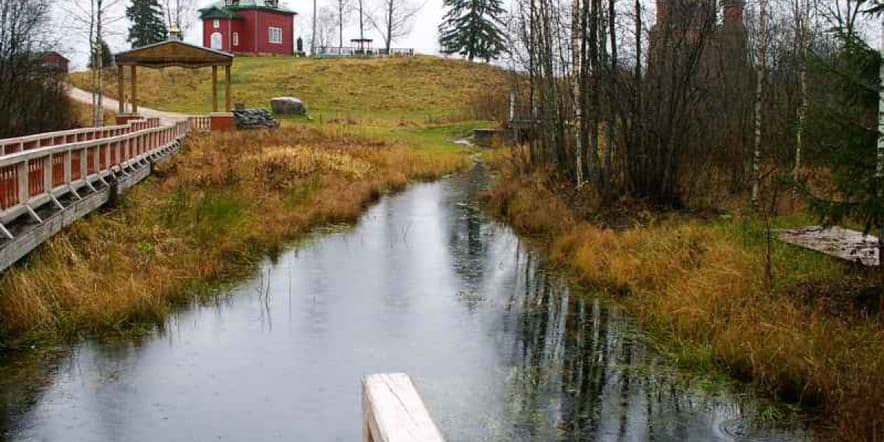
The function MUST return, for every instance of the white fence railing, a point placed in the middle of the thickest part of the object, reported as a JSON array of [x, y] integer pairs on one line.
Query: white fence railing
[[32, 177], [355, 51], [200, 122], [19, 144], [392, 411]]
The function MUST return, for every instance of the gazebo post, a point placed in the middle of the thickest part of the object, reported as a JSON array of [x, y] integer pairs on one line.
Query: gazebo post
[[134, 79], [227, 106], [121, 90], [214, 88]]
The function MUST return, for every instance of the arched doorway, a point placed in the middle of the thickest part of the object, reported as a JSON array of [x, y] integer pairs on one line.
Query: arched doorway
[[217, 41]]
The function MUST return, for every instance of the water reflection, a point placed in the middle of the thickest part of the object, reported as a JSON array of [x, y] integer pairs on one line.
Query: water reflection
[[500, 346]]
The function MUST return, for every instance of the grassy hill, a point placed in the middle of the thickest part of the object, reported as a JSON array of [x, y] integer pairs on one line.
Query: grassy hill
[[416, 89]]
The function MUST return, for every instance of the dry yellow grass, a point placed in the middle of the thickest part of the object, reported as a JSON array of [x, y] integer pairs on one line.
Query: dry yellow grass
[[207, 215], [701, 287]]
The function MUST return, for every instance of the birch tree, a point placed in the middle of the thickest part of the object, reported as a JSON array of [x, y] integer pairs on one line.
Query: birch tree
[[179, 14], [760, 72], [393, 19], [95, 17], [879, 162]]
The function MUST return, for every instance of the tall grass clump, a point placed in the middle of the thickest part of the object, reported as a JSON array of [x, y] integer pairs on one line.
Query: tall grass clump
[[207, 215], [702, 286]]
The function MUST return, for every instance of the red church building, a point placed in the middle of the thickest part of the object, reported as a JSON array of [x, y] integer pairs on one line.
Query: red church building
[[249, 27]]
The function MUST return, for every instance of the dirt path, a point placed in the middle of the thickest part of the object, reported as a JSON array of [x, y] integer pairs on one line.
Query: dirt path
[[111, 104]]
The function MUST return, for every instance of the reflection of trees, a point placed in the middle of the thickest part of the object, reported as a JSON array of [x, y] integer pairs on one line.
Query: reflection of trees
[[467, 235], [581, 373]]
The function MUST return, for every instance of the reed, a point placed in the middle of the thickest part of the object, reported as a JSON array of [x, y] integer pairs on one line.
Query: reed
[[700, 286], [207, 216]]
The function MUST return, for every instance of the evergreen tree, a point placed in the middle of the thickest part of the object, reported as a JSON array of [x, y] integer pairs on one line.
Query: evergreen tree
[[107, 57], [472, 28], [147, 26], [844, 124]]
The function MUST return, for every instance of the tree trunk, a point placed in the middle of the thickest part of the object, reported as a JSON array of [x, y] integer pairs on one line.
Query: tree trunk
[[759, 100], [576, 53], [879, 163], [801, 17], [313, 36]]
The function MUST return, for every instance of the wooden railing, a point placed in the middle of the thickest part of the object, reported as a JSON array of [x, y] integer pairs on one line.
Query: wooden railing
[[44, 189], [19, 144], [354, 51], [392, 411], [200, 122], [33, 177]]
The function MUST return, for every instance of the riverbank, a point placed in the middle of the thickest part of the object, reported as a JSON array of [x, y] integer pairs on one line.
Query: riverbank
[[701, 286], [207, 216]]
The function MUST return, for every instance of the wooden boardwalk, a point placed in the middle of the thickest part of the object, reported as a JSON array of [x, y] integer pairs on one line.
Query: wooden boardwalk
[[835, 241], [47, 181]]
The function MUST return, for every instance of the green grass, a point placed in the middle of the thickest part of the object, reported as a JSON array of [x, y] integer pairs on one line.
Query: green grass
[[421, 89]]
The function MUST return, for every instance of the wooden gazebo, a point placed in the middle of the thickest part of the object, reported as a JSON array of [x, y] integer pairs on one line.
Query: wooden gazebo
[[172, 53]]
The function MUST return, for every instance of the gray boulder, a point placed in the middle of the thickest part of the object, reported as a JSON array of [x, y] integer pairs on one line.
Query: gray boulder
[[288, 106]]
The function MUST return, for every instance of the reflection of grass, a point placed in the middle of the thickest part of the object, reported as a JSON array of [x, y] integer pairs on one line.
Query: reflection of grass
[[411, 89], [208, 215], [701, 287]]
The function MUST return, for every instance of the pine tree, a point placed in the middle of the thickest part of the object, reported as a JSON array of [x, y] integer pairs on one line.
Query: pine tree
[[472, 28], [147, 26]]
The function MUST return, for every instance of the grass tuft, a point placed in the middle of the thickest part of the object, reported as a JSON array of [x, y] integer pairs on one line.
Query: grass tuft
[[701, 287]]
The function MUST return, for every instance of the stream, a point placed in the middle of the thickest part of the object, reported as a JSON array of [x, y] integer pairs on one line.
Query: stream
[[500, 347]]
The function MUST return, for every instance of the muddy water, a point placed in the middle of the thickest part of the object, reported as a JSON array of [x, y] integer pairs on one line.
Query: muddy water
[[500, 347]]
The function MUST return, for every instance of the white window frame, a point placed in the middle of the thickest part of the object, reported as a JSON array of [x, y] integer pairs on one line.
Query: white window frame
[[216, 23], [272, 32], [236, 38]]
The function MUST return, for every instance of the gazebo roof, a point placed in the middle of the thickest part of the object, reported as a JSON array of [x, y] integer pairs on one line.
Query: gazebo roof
[[173, 53]]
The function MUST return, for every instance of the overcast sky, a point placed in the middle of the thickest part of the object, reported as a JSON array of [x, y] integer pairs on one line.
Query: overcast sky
[[423, 38]]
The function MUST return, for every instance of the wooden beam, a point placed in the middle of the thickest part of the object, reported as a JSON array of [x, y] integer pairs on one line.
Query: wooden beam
[[392, 411], [133, 78], [214, 88], [227, 106], [121, 91]]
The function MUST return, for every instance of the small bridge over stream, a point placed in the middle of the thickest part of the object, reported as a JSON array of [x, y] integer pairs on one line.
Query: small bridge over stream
[[49, 180]]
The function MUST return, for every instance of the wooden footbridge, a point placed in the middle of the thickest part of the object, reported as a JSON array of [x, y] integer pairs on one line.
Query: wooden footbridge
[[50, 180]]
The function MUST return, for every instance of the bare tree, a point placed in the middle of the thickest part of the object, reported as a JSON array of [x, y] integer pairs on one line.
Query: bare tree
[[343, 6], [32, 95], [325, 25], [179, 14], [94, 18], [393, 19]]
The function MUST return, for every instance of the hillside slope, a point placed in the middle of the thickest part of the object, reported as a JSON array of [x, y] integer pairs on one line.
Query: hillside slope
[[408, 88]]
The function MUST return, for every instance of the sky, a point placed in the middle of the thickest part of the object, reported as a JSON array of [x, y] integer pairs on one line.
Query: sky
[[74, 42]]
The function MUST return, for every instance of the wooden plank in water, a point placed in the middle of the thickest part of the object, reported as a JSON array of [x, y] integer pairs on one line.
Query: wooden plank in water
[[843, 243], [392, 411]]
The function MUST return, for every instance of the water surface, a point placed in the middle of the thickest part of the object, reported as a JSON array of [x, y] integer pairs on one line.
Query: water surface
[[499, 345]]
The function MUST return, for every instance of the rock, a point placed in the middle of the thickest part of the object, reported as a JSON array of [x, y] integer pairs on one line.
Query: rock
[[288, 106], [254, 119]]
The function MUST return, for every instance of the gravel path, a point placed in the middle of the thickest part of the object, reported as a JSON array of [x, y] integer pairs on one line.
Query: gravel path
[[111, 104]]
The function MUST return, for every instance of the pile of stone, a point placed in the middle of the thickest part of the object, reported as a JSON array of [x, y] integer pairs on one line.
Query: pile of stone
[[254, 119]]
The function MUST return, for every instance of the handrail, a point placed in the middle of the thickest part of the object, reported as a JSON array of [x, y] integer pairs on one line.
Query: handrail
[[349, 51], [392, 411], [31, 178], [200, 122], [27, 142]]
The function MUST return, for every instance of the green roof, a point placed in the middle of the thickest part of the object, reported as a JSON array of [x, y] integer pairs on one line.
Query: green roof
[[221, 8]]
